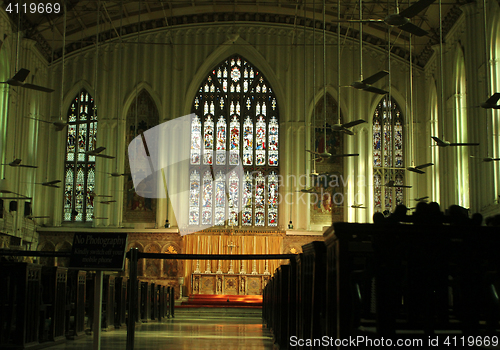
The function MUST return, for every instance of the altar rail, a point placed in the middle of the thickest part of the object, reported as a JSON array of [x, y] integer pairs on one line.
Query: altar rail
[[388, 281]]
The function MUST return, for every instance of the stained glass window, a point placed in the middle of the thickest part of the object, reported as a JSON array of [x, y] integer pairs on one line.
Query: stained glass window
[[234, 142], [221, 141], [194, 198], [236, 118], [260, 182], [388, 159], [79, 178], [206, 218], [208, 137], [220, 198], [247, 204], [233, 200], [272, 195]]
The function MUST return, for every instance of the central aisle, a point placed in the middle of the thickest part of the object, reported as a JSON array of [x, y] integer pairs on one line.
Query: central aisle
[[202, 328]]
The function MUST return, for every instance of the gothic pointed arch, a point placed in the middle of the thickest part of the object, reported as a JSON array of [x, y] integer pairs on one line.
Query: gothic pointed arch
[[388, 155], [323, 207], [142, 115], [243, 49], [236, 122], [79, 166]]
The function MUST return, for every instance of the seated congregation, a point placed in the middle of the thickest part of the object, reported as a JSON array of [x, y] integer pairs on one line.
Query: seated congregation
[[429, 274]]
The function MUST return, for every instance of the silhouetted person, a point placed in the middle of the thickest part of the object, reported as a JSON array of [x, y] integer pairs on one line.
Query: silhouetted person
[[458, 215], [399, 215], [435, 214], [477, 219], [378, 218], [421, 214]]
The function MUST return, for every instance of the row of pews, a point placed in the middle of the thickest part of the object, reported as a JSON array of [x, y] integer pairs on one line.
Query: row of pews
[[396, 282], [43, 305]]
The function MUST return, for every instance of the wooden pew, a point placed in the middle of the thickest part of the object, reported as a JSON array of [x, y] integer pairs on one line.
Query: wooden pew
[[292, 300], [145, 305], [89, 301], [413, 264], [172, 301], [137, 305], [53, 306], [108, 302], [121, 301], [76, 293], [154, 302], [161, 302], [314, 262], [19, 304], [282, 307]]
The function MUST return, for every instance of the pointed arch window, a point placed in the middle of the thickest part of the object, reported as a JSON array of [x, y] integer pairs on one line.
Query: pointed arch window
[[388, 155], [236, 118], [79, 169]]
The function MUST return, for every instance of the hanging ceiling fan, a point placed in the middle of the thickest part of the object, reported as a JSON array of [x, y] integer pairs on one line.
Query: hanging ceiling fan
[[392, 183], [365, 84], [358, 206], [97, 153], [5, 189], [98, 218], [108, 202], [486, 159], [402, 19], [58, 124], [422, 199], [309, 190], [18, 80], [93, 195], [345, 127], [49, 183], [416, 169], [118, 174], [17, 163], [491, 103], [442, 143], [326, 155]]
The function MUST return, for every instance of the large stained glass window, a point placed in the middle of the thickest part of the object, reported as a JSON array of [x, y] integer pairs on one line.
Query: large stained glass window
[[79, 178], [236, 121], [388, 164]]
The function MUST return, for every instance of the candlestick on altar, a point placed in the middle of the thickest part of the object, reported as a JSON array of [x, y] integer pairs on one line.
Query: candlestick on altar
[[266, 272], [231, 245], [209, 268], [219, 265], [254, 263], [197, 270], [242, 267]]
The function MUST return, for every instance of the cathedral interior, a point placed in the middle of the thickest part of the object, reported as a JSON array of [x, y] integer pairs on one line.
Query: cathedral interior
[[302, 114]]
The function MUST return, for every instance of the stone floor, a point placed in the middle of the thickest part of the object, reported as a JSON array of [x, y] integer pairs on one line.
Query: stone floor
[[211, 329]]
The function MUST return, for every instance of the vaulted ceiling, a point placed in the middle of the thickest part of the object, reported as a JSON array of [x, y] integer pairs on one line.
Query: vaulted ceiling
[[117, 19]]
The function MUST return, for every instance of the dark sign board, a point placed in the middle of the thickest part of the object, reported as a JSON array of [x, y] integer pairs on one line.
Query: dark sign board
[[99, 251]]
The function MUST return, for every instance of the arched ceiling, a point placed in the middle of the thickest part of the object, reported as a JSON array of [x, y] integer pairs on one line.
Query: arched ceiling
[[121, 18]]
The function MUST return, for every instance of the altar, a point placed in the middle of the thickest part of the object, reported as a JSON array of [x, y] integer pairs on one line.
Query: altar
[[228, 284]]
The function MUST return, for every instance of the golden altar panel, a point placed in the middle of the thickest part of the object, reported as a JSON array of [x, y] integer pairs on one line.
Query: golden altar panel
[[230, 284]]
